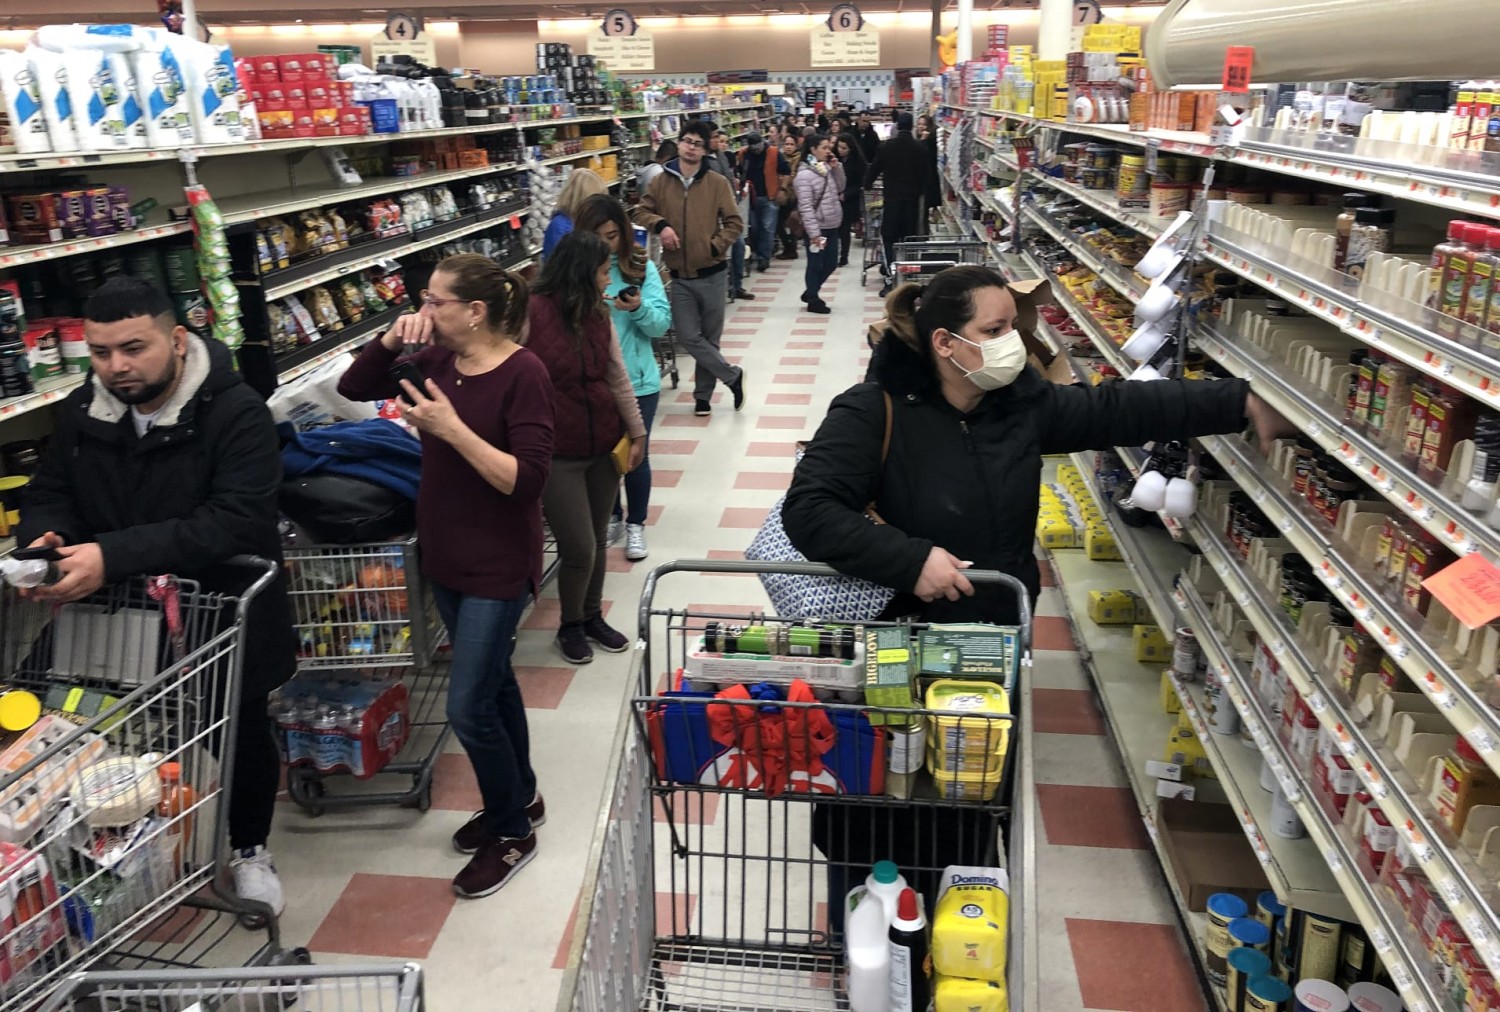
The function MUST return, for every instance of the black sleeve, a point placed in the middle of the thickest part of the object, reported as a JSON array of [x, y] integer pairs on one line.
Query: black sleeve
[[837, 478], [874, 172], [47, 502], [1080, 417], [854, 175]]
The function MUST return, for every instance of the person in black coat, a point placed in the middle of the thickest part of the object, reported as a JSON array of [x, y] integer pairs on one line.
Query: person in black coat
[[165, 461], [932, 195], [869, 140], [903, 162], [846, 150], [959, 489]]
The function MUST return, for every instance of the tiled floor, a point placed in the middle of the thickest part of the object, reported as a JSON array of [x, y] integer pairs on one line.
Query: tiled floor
[[374, 882]]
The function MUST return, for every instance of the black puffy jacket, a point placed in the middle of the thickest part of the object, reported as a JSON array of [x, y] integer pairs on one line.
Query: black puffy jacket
[[967, 483], [196, 489]]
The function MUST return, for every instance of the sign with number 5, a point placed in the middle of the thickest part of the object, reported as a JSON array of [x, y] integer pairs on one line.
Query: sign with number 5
[[618, 21]]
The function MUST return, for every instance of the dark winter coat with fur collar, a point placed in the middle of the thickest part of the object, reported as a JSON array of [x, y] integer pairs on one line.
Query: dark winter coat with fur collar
[[967, 482]]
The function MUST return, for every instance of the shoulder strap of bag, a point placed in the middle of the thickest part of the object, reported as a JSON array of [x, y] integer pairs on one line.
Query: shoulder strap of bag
[[885, 444]]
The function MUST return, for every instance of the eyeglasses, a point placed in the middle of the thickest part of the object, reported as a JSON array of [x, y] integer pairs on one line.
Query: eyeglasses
[[689, 142], [428, 299]]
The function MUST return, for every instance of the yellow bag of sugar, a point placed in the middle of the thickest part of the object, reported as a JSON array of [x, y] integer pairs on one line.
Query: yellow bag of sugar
[[970, 924], [956, 994]]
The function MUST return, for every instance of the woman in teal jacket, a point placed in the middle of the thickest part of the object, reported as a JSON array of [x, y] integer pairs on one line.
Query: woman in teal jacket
[[639, 317]]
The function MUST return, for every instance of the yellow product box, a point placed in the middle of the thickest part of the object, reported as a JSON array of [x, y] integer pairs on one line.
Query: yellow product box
[[1169, 701], [957, 994], [1067, 472], [1151, 644], [970, 923], [1184, 749], [954, 761], [1099, 543], [1053, 533], [965, 721], [965, 786], [1114, 607]]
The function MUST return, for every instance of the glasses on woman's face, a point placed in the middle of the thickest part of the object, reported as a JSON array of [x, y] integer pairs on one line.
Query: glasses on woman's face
[[428, 299]]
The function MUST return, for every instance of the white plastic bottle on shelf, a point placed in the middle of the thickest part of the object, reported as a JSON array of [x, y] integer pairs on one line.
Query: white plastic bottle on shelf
[[868, 956], [884, 881]]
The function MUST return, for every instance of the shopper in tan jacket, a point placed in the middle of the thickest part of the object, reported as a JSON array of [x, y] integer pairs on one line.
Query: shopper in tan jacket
[[693, 210]]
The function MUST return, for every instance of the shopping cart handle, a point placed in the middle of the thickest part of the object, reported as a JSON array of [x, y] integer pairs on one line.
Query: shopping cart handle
[[746, 567], [266, 571]]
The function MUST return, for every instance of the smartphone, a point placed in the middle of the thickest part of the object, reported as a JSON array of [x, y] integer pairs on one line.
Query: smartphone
[[408, 371], [627, 293], [44, 553]]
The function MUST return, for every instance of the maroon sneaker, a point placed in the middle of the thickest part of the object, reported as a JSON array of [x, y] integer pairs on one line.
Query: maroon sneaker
[[493, 864], [471, 834], [605, 635]]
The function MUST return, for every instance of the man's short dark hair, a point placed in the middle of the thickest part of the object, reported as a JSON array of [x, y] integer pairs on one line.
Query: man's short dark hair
[[699, 129], [904, 121], [124, 298]]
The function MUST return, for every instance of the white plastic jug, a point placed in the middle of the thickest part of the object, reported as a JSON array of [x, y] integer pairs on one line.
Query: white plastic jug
[[885, 881], [868, 956]]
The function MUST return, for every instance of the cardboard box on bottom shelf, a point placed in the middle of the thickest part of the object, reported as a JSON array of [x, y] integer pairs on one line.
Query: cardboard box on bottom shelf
[[1207, 850]]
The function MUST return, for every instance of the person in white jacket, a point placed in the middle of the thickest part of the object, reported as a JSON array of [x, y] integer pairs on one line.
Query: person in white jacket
[[819, 186]]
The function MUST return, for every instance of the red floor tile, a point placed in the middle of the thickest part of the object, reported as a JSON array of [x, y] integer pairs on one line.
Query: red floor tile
[[799, 399], [546, 612], [178, 925], [665, 479], [686, 397], [774, 480], [454, 788], [787, 450], [684, 421], [1050, 632], [734, 344], [1043, 566], [781, 422], [653, 514], [1109, 955], [729, 556], [1091, 817], [544, 688], [798, 360], [741, 331], [673, 447], [1065, 711], [360, 922], [747, 518], [668, 908], [617, 563], [805, 345], [792, 377], [810, 332], [689, 808]]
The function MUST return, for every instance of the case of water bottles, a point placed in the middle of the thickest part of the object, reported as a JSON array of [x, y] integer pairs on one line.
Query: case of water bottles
[[341, 725]]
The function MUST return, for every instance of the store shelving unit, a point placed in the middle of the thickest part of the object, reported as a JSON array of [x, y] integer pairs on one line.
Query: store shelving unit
[[1122, 280]]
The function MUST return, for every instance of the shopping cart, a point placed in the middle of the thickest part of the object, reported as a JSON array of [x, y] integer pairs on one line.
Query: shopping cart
[[113, 803], [874, 246], [712, 896], [363, 612], [666, 357], [918, 259], [352, 988]]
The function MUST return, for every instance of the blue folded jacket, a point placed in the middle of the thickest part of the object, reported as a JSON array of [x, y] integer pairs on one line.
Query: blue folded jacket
[[376, 450]]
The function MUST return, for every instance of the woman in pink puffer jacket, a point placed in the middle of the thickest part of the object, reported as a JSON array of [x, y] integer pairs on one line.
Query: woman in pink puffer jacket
[[819, 186]]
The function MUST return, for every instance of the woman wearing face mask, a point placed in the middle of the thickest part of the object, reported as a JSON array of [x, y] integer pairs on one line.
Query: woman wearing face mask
[[970, 424]]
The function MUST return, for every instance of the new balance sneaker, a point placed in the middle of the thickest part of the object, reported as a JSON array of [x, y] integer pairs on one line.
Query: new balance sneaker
[[573, 644], [635, 542], [616, 531], [602, 633], [471, 834], [497, 859], [737, 388], [255, 878], [702, 408]]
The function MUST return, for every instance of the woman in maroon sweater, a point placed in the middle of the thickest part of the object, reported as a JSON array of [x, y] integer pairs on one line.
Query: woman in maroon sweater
[[486, 424], [593, 405]]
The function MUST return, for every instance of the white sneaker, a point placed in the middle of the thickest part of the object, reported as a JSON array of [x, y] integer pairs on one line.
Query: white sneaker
[[635, 542], [255, 878], [616, 532]]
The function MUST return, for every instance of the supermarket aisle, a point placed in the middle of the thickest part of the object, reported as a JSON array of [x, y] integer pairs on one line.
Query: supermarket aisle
[[375, 882]]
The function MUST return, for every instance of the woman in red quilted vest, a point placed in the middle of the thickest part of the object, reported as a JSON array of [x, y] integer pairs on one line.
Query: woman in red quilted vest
[[593, 407]]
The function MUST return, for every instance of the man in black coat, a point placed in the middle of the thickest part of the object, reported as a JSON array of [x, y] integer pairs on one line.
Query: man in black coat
[[869, 140], [904, 163], [164, 461]]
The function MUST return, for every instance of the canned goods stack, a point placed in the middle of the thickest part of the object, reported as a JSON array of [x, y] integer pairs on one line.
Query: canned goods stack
[[574, 75]]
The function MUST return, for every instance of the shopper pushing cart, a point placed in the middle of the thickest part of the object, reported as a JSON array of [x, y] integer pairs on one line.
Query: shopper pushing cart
[[165, 461]]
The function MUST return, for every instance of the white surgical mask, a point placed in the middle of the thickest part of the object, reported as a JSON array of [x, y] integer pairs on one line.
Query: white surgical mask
[[1004, 358]]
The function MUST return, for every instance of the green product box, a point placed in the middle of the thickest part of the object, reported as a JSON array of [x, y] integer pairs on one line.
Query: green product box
[[969, 650], [888, 671]]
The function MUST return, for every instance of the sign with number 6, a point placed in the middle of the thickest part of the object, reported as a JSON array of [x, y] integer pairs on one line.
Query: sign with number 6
[[845, 17]]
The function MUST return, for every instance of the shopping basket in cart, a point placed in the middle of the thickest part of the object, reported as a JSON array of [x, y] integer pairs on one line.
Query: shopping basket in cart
[[352, 988], [113, 803], [874, 246], [750, 918]]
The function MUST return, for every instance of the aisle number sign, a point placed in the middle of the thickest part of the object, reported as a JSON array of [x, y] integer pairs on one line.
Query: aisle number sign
[[403, 36], [620, 44], [844, 41]]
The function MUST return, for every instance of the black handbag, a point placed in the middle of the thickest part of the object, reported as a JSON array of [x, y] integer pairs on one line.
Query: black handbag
[[338, 509]]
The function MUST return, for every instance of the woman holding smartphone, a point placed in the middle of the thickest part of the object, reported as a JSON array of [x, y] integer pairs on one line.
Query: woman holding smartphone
[[484, 411], [640, 312], [593, 404]]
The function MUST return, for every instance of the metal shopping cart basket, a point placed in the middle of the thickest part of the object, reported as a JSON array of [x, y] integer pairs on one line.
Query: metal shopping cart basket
[[364, 614], [708, 891], [918, 259], [113, 802], [874, 247], [353, 988]]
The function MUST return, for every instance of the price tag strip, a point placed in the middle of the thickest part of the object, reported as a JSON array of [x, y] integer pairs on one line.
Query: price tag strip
[[1442, 866], [15, 256]]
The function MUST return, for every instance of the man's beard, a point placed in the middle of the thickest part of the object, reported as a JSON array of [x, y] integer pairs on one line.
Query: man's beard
[[149, 391]]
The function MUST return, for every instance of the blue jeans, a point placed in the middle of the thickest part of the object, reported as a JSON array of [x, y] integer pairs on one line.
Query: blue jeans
[[763, 227], [820, 266], [638, 482], [737, 265], [485, 708]]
